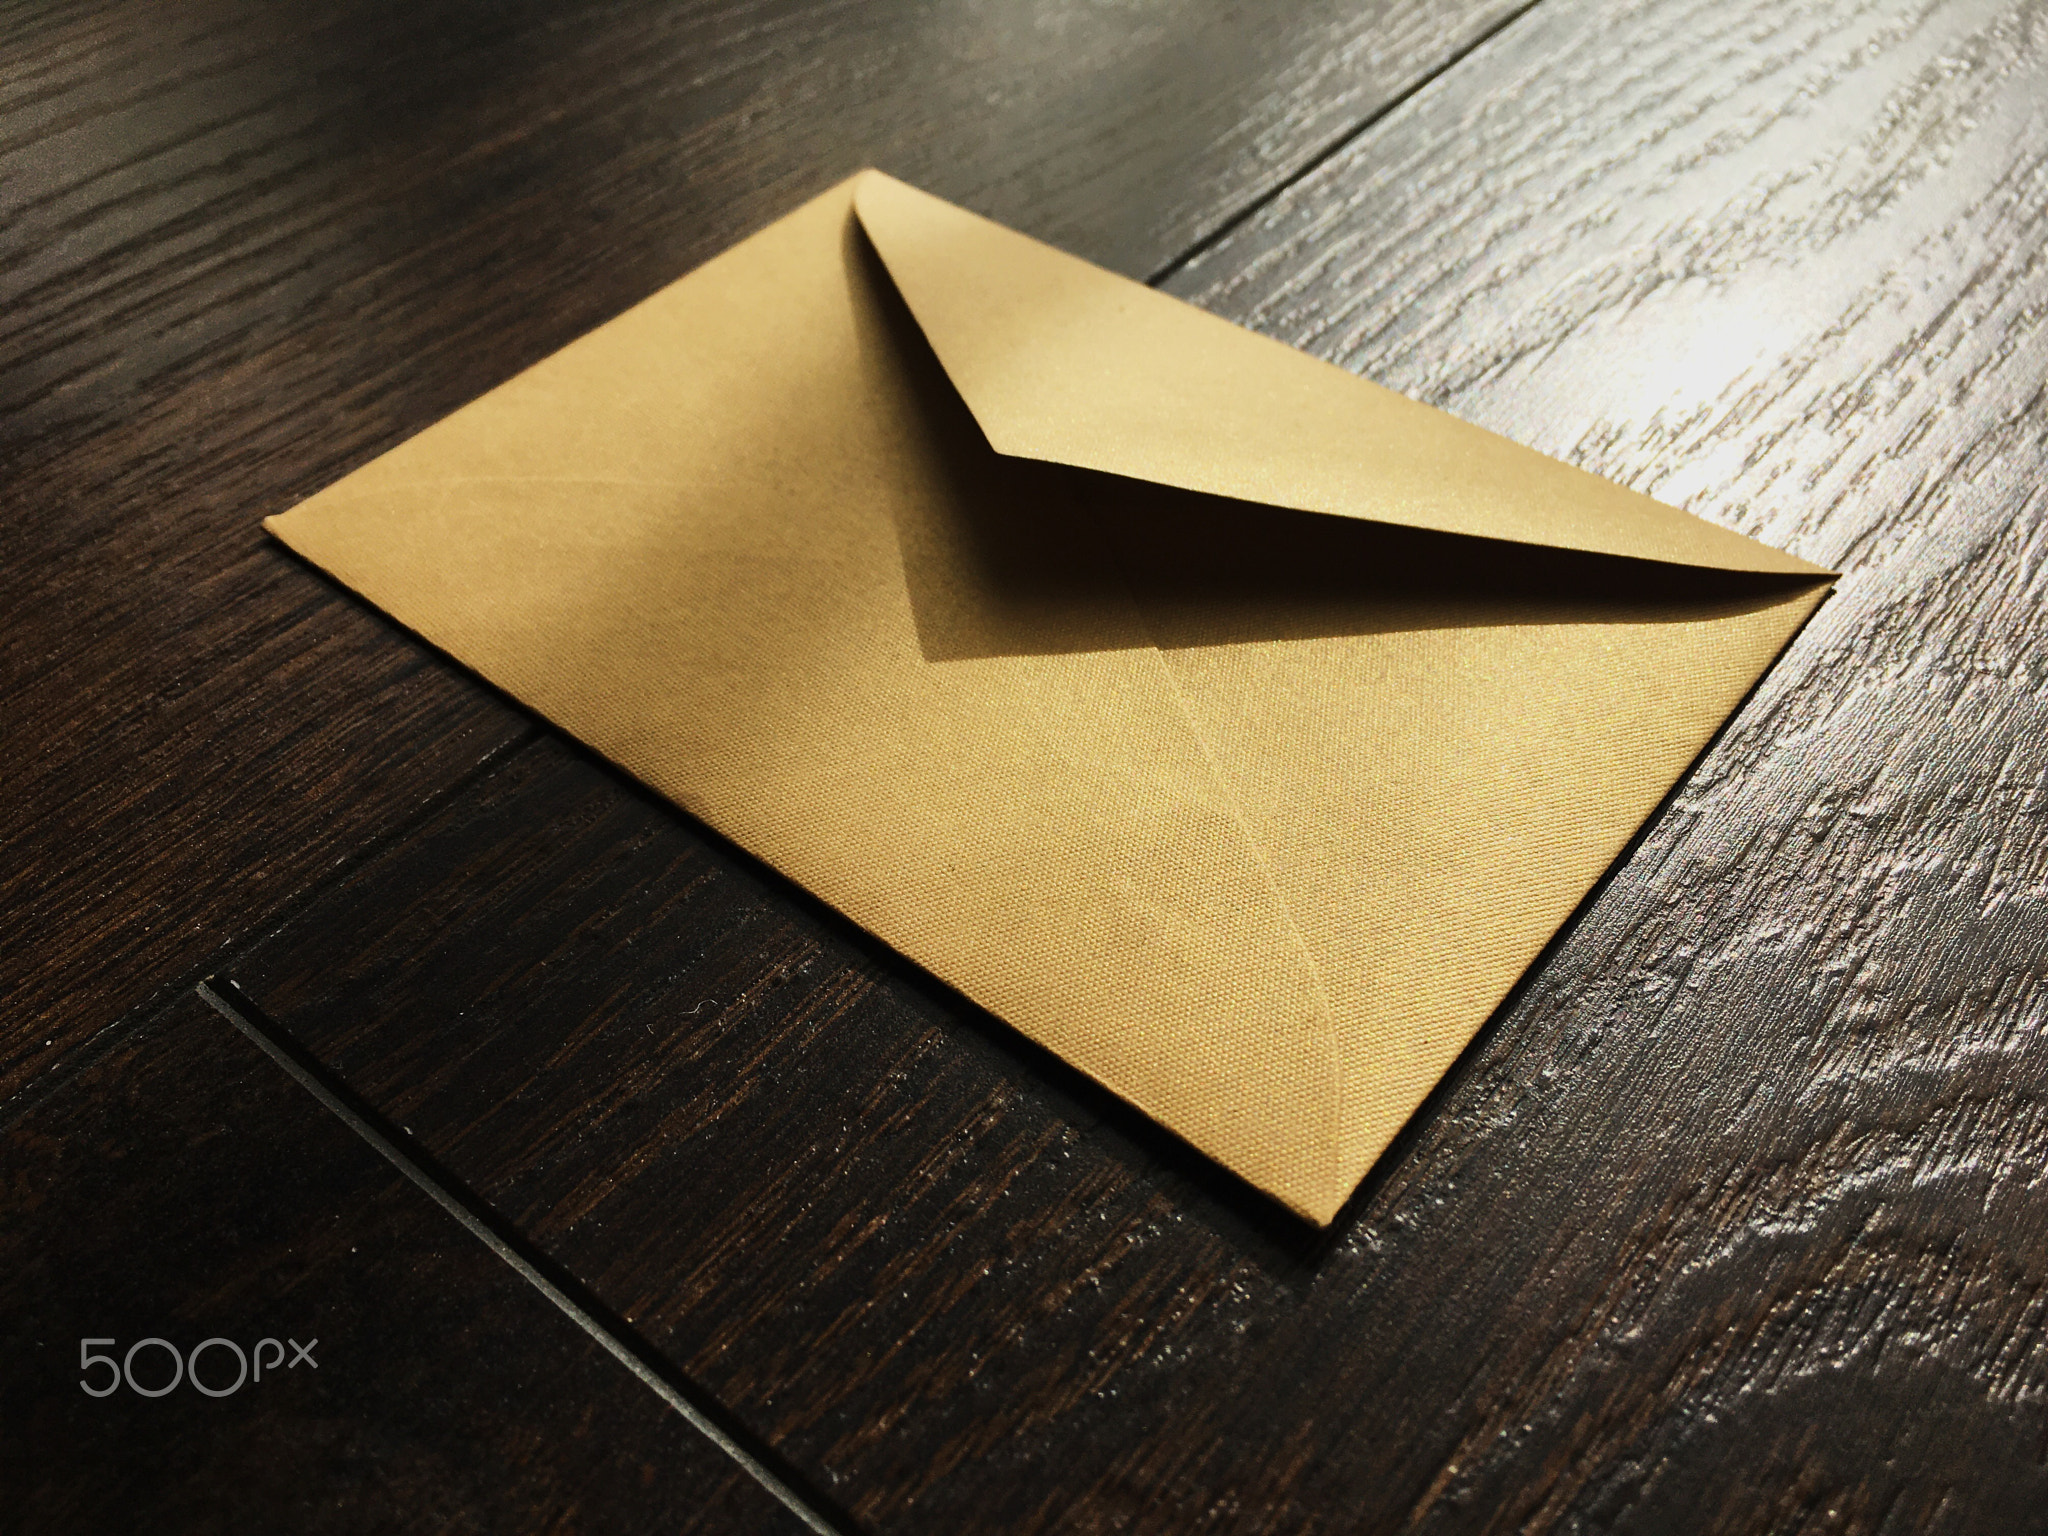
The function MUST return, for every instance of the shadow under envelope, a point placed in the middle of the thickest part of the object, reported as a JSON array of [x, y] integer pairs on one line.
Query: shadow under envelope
[[1024, 557]]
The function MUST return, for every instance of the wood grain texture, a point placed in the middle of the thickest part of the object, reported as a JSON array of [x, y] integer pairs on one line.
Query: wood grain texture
[[1731, 1222], [182, 1187], [243, 248]]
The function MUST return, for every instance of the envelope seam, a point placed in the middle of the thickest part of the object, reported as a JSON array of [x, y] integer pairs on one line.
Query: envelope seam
[[1333, 1076]]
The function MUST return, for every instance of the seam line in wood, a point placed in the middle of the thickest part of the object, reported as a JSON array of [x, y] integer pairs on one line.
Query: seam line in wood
[[226, 999], [82, 1054], [1337, 146]]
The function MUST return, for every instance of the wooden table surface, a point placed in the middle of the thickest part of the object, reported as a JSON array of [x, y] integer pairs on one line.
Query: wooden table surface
[[1732, 1219]]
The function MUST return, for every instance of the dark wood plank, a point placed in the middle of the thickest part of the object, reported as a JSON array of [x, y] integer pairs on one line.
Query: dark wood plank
[[244, 248], [184, 1188], [1730, 1221]]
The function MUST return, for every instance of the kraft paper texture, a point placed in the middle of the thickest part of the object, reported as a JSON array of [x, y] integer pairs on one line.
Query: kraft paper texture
[[1233, 727]]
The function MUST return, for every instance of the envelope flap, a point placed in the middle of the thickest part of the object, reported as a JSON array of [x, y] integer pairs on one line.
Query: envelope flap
[[1062, 361]]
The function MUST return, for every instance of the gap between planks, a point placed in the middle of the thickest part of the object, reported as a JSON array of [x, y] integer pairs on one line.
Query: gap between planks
[[617, 1339], [1203, 244]]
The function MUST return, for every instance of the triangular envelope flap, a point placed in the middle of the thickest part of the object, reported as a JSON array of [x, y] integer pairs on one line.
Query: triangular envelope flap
[[681, 539], [1062, 361]]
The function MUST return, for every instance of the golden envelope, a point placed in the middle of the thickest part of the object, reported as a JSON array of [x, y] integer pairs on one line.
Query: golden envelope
[[1233, 727]]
